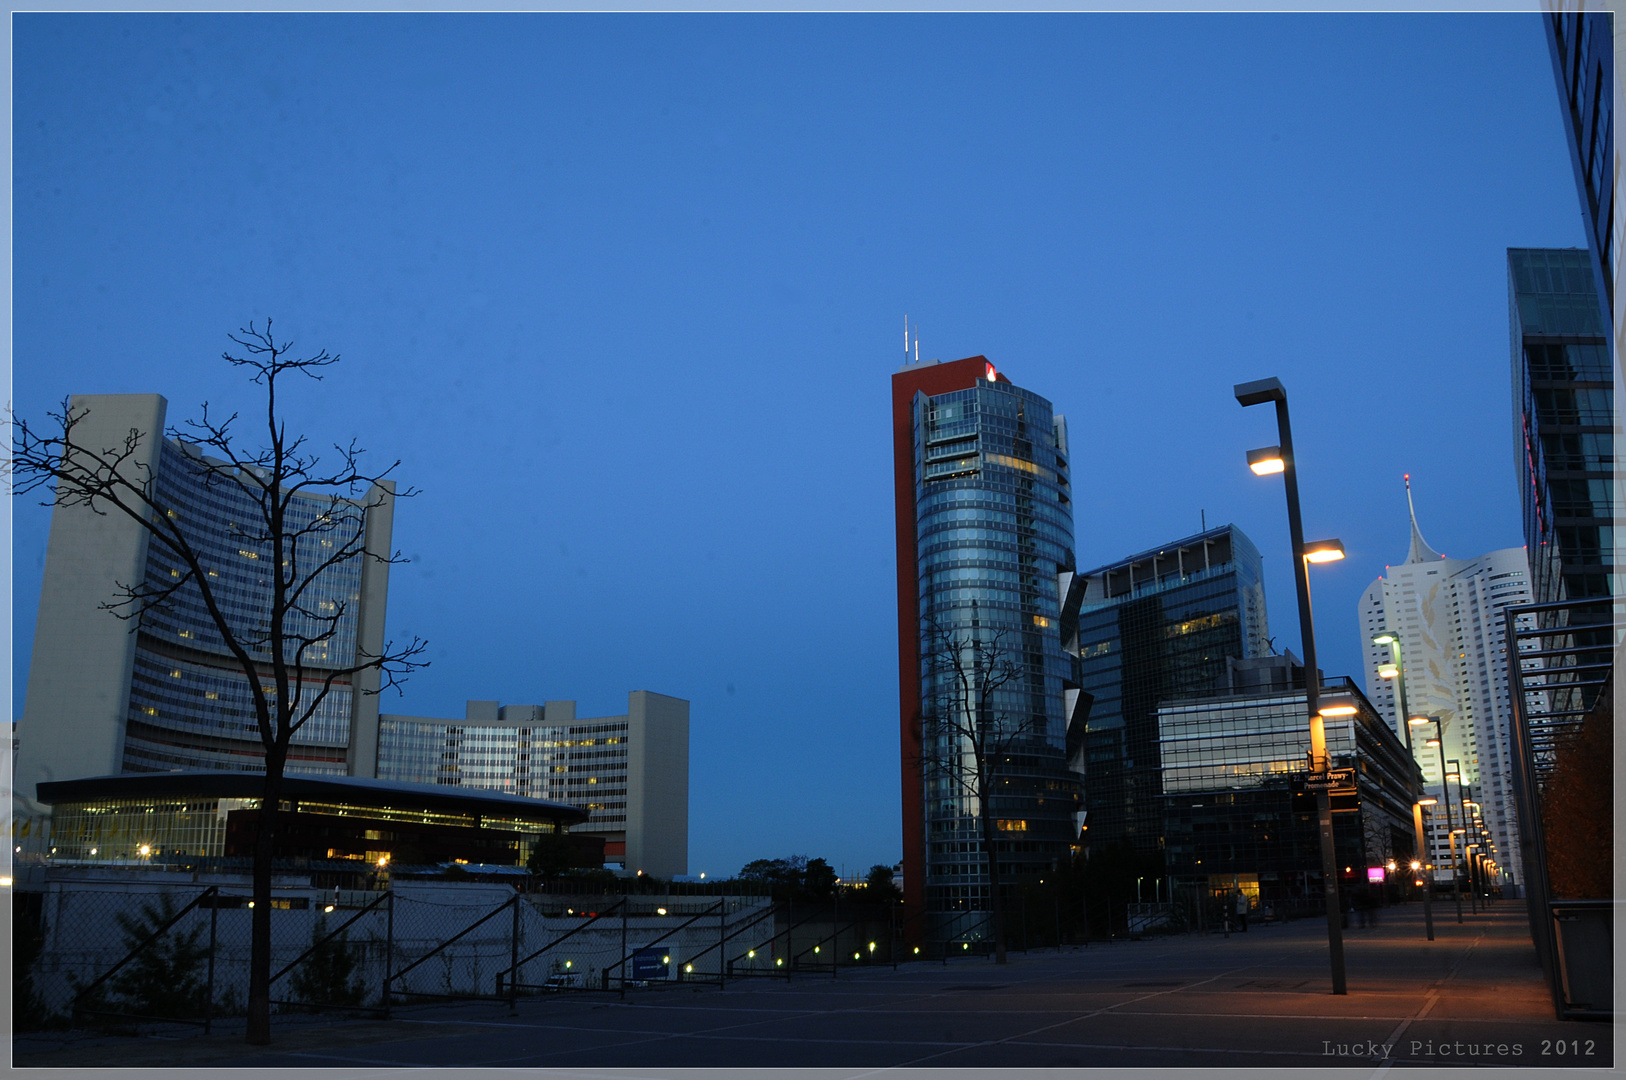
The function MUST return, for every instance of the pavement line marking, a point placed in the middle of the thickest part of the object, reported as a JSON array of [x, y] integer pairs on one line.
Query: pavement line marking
[[1394, 1036], [1060, 1023], [1428, 1004]]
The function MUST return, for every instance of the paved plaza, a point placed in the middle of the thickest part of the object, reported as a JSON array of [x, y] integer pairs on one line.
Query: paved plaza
[[1474, 997]]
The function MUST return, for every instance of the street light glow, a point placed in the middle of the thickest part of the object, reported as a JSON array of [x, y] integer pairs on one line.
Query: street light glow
[[1266, 461], [1338, 705], [1388, 671], [1320, 551], [1384, 638], [1427, 802]]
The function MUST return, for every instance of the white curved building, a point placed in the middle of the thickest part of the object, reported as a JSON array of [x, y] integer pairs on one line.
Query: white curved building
[[1448, 614]]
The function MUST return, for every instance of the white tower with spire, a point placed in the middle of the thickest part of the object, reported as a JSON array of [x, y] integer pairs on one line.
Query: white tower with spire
[[1448, 615]]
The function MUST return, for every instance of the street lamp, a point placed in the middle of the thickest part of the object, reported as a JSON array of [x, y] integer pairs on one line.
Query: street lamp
[[1467, 828], [1265, 462], [1445, 797], [1396, 671], [1422, 864]]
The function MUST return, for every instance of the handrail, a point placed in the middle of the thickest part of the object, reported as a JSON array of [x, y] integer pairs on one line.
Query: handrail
[[467, 929], [562, 937], [350, 922], [714, 909]]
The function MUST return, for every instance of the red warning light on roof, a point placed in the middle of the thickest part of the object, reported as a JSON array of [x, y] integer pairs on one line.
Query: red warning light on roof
[[992, 374]]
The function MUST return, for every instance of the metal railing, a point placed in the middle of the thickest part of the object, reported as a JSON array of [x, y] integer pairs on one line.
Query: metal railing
[[1553, 687]]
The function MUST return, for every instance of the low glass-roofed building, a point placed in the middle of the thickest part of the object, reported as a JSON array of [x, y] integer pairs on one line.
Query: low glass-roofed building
[[156, 816]]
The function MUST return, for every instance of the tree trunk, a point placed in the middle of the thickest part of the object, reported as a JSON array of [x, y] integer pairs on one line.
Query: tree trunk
[[996, 902], [259, 964]]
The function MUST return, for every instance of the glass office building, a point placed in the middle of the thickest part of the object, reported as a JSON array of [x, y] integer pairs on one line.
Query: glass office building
[[630, 773], [1235, 815], [1161, 624], [1583, 52], [1563, 417], [190, 705], [985, 568]]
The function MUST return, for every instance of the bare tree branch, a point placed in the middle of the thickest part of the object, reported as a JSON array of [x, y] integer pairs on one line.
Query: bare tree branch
[[305, 525]]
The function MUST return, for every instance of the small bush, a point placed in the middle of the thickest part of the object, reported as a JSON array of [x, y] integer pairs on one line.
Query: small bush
[[328, 975]]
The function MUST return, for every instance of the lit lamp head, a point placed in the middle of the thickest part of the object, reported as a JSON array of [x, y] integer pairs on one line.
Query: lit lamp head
[[1383, 637], [1266, 460], [1338, 705], [1427, 802], [1319, 551], [1388, 671], [1432, 742], [1454, 776]]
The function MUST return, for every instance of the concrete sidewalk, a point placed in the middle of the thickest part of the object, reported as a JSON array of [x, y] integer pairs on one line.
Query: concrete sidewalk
[[1475, 996]]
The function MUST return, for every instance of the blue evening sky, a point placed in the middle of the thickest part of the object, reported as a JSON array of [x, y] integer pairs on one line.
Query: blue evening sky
[[624, 294]]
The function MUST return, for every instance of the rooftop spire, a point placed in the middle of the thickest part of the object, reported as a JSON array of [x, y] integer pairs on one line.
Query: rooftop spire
[[1420, 551]]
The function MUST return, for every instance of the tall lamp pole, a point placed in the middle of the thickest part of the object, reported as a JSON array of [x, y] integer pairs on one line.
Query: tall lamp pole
[[1279, 459], [1422, 864], [1397, 672], [1445, 797], [1456, 774]]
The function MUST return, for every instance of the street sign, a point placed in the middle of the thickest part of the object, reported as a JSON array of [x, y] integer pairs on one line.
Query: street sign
[[650, 963], [1335, 781]]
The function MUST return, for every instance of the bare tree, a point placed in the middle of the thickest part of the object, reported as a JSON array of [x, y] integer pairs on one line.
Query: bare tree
[[968, 742], [308, 520]]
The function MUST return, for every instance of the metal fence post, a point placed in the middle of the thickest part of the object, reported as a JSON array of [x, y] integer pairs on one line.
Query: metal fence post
[[722, 941], [209, 990], [623, 965], [389, 951], [513, 961]]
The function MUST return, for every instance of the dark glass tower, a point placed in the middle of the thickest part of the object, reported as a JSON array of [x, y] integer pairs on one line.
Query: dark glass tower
[[985, 557], [1162, 624], [1563, 420], [1583, 51]]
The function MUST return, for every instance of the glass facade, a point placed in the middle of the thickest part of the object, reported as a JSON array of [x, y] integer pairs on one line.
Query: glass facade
[[993, 533], [1563, 424], [1582, 45], [583, 764], [1163, 624], [154, 827], [190, 705], [1231, 763]]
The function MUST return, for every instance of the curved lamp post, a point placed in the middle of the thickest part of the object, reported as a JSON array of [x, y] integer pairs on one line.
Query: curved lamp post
[[1266, 462]]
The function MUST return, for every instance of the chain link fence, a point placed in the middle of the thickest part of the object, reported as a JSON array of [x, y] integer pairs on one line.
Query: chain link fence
[[144, 952]]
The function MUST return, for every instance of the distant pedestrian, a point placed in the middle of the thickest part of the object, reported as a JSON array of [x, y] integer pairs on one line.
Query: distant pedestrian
[[1242, 910]]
